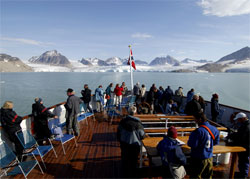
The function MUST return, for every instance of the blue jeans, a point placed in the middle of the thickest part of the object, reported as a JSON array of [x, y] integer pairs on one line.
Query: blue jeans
[[243, 164]]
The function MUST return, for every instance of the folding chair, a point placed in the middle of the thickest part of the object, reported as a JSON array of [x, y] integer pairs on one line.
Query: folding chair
[[10, 165], [31, 146], [56, 129]]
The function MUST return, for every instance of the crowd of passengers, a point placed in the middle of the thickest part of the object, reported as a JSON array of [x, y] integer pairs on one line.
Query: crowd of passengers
[[131, 132]]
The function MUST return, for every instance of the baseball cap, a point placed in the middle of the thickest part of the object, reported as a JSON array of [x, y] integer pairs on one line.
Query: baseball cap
[[240, 115]]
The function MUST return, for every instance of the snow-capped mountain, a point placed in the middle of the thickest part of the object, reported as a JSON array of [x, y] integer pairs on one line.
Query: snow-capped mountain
[[237, 56], [114, 61], [137, 62], [12, 64], [188, 60], [168, 60], [238, 61], [51, 58], [94, 62]]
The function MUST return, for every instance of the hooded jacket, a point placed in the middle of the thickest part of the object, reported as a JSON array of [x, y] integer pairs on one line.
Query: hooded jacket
[[130, 131]]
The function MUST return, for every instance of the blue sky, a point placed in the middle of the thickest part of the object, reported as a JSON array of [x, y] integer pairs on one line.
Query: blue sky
[[197, 29]]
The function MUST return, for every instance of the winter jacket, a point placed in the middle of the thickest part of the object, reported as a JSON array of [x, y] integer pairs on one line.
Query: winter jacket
[[130, 131], [136, 90], [99, 94], [125, 90], [72, 106], [169, 94], [171, 152], [108, 91], [143, 92], [86, 95], [215, 108], [201, 142], [118, 91], [10, 121], [190, 95], [241, 138], [41, 113]]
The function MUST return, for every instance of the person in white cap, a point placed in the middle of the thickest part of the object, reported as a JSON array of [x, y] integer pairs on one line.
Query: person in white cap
[[241, 138]]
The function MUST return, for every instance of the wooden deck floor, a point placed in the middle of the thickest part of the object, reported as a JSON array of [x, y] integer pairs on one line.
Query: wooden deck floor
[[97, 156]]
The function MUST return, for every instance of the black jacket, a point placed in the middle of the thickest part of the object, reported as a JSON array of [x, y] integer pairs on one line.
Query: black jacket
[[241, 138], [41, 113], [86, 95], [215, 109], [10, 121]]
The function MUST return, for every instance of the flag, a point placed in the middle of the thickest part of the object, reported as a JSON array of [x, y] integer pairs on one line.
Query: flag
[[132, 59]]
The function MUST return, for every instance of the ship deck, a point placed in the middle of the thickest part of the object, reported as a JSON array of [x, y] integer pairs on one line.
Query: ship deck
[[97, 155]]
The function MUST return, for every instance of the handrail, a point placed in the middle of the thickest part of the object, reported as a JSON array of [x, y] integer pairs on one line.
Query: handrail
[[51, 107]]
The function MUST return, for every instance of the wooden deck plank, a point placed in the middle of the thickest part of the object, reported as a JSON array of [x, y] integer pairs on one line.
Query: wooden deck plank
[[98, 155]]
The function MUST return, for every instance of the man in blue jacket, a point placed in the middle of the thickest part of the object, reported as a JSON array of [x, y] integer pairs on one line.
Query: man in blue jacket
[[201, 142]]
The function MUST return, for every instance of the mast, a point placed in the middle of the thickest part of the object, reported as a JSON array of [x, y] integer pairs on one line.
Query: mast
[[131, 70]]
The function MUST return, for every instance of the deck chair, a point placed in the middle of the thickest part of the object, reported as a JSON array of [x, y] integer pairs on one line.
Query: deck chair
[[31, 146], [10, 165], [128, 101], [56, 129]]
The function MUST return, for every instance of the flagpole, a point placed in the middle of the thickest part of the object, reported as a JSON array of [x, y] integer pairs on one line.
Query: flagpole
[[131, 70]]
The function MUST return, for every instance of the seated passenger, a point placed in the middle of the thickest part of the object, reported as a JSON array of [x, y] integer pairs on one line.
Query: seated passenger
[[172, 155], [41, 115], [241, 138], [10, 122]]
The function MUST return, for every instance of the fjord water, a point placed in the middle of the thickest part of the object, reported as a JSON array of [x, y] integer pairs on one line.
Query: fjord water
[[22, 88]]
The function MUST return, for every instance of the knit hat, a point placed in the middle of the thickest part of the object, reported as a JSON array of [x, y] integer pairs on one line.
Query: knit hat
[[172, 132], [215, 95]]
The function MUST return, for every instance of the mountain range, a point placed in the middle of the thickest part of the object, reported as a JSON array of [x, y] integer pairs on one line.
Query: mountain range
[[12, 64], [238, 61]]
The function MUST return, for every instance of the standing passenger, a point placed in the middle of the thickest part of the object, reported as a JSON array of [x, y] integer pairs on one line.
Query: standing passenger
[[201, 142], [108, 92], [130, 133], [86, 97], [10, 122], [118, 94], [190, 95], [125, 89], [168, 93], [137, 92], [72, 107], [215, 108], [41, 115], [143, 92], [99, 99], [193, 106]]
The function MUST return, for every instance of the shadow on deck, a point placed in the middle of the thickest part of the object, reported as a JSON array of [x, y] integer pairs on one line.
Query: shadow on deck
[[97, 156]]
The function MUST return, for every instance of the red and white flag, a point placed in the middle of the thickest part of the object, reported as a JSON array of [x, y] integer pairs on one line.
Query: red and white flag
[[132, 59]]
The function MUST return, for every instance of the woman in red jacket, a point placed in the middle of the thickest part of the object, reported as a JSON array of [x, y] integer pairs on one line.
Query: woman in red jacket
[[118, 94]]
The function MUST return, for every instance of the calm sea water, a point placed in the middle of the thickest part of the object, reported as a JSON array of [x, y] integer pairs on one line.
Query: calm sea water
[[22, 88]]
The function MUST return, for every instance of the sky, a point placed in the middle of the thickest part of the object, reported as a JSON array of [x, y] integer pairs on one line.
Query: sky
[[196, 29]]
